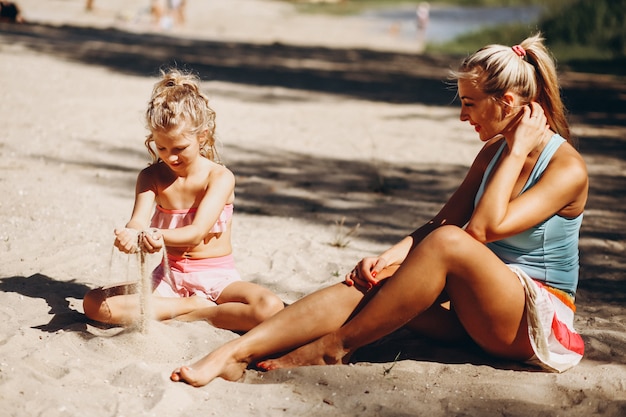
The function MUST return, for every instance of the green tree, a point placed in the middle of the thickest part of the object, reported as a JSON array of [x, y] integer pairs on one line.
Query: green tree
[[591, 23]]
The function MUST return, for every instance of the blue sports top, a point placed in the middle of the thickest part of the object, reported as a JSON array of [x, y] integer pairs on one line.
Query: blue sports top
[[548, 251]]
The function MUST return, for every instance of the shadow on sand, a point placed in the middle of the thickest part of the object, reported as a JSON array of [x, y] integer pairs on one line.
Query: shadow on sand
[[359, 73], [410, 194], [55, 294]]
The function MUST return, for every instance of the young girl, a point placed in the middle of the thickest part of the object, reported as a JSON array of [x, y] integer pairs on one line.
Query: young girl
[[498, 264], [194, 195]]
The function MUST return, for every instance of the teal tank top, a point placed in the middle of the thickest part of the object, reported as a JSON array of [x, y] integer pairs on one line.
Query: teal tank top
[[548, 251]]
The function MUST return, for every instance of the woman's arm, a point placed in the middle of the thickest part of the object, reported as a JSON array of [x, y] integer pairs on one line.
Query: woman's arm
[[500, 214], [456, 211]]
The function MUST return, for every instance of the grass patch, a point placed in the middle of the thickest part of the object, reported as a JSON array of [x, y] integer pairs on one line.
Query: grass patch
[[342, 235]]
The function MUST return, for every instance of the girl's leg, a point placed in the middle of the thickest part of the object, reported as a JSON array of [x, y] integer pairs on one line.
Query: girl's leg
[[305, 320], [117, 304], [487, 296], [241, 306], [120, 304]]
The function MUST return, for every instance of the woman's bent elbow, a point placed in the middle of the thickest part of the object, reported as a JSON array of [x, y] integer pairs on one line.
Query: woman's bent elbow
[[477, 234]]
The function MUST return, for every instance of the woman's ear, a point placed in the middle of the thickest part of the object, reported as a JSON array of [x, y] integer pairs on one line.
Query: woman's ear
[[510, 104], [510, 101]]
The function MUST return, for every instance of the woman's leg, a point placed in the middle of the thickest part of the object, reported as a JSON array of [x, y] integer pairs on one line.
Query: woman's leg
[[305, 320], [241, 306], [487, 296], [440, 322]]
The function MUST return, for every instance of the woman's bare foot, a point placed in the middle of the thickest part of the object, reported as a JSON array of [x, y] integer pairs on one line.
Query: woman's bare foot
[[327, 350], [217, 364]]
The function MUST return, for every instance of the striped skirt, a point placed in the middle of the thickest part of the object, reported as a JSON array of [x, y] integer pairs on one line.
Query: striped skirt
[[550, 316]]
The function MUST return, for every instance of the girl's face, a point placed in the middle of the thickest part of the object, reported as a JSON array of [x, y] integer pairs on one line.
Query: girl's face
[[177, 148], [481, 111]]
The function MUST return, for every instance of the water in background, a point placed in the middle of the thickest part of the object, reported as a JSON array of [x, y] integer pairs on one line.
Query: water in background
[[446, 23]]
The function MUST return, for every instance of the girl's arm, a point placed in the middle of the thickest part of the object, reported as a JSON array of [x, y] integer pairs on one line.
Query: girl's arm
[[499, 214], [219, 192]]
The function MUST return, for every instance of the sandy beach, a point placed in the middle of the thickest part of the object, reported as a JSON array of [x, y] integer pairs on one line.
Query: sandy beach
[[327, 123]]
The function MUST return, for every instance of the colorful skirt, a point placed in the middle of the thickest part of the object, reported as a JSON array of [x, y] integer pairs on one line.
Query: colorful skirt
[[550, 316]]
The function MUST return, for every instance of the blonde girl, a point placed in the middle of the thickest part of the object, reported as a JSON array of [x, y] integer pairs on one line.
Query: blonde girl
[[184, 201]]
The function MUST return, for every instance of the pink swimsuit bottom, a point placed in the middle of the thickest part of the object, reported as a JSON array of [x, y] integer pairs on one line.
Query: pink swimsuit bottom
[[186, 277]]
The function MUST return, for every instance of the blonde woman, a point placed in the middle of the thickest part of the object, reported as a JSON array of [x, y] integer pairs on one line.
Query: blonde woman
[[498, 264]]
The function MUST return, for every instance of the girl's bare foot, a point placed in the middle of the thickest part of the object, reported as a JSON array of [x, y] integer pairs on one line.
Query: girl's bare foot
[[217, 364], [327, 350]]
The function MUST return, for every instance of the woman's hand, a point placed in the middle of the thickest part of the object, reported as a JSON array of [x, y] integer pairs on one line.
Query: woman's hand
[[127, 240], [151, 240], [364, 274], [529, 133]]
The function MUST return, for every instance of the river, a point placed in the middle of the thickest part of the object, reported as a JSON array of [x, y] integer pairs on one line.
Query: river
[[448, 22]]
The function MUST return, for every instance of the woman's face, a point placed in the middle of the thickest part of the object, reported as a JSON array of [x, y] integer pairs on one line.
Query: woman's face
[[480, 110]]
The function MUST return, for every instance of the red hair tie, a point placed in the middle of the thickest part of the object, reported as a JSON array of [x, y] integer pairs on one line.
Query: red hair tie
[[519, 51]]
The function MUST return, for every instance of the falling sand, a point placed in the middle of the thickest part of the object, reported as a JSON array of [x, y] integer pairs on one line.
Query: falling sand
[[145, 292], [140, 262]]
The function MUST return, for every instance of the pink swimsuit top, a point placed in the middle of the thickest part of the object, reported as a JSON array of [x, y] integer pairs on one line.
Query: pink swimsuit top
[[171, 219]]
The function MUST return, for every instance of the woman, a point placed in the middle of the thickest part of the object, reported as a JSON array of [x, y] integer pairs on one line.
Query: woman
[[498, 263]]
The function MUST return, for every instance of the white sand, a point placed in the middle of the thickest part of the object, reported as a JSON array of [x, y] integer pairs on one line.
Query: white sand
[[71, 146]]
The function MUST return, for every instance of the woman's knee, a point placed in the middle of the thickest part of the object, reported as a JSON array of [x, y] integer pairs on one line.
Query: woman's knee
[[95, 305], [446, 239]]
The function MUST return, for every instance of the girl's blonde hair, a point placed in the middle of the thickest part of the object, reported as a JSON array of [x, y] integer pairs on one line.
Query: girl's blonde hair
[[527, 69], [177, 101]]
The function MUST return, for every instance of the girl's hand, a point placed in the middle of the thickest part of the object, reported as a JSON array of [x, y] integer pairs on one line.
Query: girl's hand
[[126, 240], [364, 274], [528, 134], [151, 240]]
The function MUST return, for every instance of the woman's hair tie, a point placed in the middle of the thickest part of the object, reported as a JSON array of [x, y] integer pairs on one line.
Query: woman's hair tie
[[519, 50]]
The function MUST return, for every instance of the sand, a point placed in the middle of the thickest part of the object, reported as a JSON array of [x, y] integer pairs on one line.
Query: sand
[[320, 132]]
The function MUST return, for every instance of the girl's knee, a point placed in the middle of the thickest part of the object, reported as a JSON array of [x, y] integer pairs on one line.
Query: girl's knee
[[95, 305], [267, 306]]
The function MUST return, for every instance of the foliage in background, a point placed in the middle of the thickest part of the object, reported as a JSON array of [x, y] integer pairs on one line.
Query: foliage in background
[[592, 23], [583, 34], [586, 35]]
